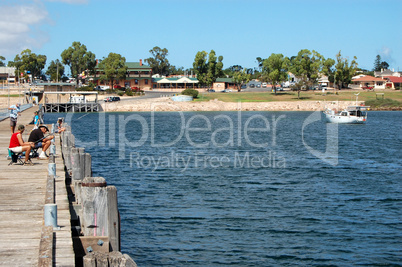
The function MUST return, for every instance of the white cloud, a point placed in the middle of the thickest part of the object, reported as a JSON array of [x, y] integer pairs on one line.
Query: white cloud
[[386, 54], [71, 1], [20, 28]]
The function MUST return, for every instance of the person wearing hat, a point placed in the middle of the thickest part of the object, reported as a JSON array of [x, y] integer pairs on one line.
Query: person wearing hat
[[38, 137], [15, 112]]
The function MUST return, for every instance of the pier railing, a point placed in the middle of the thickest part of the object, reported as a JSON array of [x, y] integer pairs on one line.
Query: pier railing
[[93, 207]]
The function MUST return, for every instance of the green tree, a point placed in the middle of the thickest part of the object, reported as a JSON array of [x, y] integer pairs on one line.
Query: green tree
[[2, 59], [275, 69], [377, 63], [328, 69], [200, 67], [306, 66], [29, 63], [384, 65], [78, 59], [55, 70], [214, 68], [259, 63], [176, 71], [208, 70], [114, 68], [158, 62], [344, 71], [229, 72], [240, 78]]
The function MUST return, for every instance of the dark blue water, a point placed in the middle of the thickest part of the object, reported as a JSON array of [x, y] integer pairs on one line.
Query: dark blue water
[[250, 188]]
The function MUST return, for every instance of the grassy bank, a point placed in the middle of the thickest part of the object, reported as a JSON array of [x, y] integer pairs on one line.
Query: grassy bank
[[384, 104], [292, 96], [10, 95]]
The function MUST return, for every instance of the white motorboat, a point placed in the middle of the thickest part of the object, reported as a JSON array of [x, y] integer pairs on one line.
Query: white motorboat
[[352, 114]]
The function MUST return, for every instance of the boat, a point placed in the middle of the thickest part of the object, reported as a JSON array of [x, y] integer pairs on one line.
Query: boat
[[352, 114]]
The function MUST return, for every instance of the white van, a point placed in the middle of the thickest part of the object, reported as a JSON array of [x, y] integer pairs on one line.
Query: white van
[[102, 87]]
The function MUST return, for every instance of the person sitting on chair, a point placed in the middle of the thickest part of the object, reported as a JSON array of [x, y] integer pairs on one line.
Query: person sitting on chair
[[37, 136], [17, 144]]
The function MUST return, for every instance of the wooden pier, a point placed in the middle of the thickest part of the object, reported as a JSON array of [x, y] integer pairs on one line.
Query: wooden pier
[[25, 240], [77, 102], [72, 107], [63, 185]]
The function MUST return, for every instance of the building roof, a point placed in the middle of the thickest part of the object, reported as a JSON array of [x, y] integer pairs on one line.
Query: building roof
[[224, 80], [136, 65], [368, 78], [394, 79], [175, 80], [383, 72]]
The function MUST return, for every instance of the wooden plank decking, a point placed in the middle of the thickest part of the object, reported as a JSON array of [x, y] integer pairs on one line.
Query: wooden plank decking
[[22, 199]]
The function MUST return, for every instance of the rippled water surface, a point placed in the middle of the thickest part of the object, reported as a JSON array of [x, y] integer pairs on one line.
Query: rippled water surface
[[247, 189]]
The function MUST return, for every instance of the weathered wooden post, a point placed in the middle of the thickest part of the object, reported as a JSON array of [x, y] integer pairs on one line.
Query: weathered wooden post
[[68, 141], [99, 216], [81, 166]]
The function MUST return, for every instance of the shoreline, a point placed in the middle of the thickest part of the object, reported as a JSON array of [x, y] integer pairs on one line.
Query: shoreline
[[166, 104]]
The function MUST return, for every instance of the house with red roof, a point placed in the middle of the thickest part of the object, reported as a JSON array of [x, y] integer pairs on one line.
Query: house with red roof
[[393, 82], [369, 82]]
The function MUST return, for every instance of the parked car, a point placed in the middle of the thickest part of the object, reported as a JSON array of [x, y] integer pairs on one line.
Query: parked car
[[226, 91], [264, 85], [135, 88], [111, 99], [252, 85], [117, 86], [211, 90]]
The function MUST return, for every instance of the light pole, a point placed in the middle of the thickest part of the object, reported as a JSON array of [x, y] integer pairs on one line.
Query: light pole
[[8, 86]]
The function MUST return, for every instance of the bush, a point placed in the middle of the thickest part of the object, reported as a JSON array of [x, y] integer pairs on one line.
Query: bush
[[190, 92], [120, 93], [383, 103], [85, 88], [129, 92]]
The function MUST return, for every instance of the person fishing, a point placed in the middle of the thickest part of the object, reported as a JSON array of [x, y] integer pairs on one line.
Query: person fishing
[[38, 137]]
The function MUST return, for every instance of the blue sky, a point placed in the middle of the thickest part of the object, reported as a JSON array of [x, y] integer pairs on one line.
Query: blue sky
[[239, 30]]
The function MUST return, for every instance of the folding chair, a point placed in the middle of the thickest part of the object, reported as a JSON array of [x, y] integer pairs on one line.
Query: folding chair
[[34, 153], [15, 157]]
